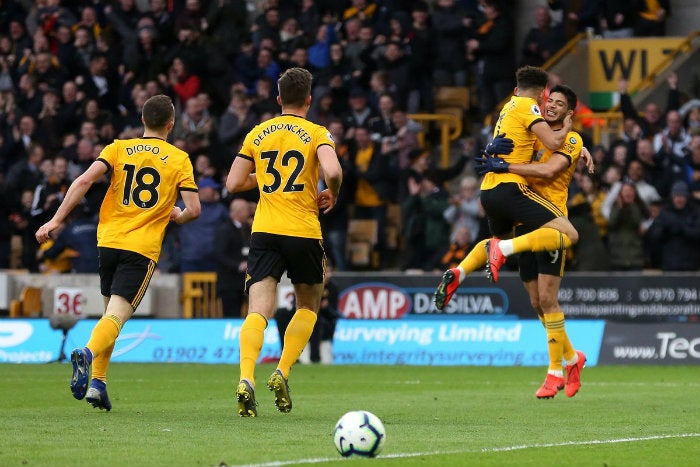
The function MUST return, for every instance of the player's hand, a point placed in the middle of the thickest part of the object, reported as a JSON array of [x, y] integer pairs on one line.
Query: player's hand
[[587, 159], [486, 163], [326, 200], [44, 233], [500, 145], [175, 213]]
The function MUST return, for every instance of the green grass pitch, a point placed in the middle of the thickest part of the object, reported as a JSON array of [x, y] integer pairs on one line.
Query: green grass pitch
[[185, 415]]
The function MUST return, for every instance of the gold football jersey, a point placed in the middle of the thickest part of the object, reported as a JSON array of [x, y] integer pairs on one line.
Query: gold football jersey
[[515, 120], [287, 169], [146, 175], [557, 189]]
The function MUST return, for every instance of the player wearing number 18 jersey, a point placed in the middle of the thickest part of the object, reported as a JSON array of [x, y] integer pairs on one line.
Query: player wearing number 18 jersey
[[286, 153], [146, 175]]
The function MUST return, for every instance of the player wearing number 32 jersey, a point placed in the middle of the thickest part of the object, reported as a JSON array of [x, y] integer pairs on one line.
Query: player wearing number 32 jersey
[[146, 175], [287, 154]]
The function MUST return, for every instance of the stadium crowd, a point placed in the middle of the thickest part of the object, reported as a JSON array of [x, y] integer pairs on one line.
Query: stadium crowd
[[74, 75]]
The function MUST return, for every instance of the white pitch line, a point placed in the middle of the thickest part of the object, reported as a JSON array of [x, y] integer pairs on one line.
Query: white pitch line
[[321, 460]]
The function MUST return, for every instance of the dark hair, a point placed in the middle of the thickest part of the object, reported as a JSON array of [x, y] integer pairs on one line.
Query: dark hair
[[571, 99], [158, 111], [531, 77], [294, 86]]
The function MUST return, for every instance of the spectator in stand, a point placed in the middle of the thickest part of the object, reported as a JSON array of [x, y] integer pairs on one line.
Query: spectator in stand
[[195, 122], [676, 231], [334, 224], [339, 66], [359, 113], [426, 230], [382, 124], [374, 186], [650, 122], [49, 193], [143, 55], [7, 208], [19, 38], [321, 110], [266, 65], [319, 51], [493, 57], [309, 18], [162, 20], [291, 37], [692, 168], [29, 100], [394, 63], [266, 26], [235, 123], [465, 209], [651, 19], [421, 44], [644, 192], [578, 16], [658, 169], [89, 19], [590, 252], [458, 249], [197, 237], [24, 228], [264, 100], [231, 243], [450, 25], [627, 215], [100, 82], [183, 83], [672, 142], [79, 237], [358, 45], [618, 18], [543, 40]]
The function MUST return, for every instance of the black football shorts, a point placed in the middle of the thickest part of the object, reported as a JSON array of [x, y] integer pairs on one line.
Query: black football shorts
[[125, 273]]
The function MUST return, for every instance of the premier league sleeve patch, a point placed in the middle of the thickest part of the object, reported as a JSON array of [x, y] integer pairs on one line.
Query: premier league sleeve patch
[[535, 109]]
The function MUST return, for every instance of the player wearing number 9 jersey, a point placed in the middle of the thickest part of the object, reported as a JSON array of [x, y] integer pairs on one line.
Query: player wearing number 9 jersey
[[146, 175], [286, 153]]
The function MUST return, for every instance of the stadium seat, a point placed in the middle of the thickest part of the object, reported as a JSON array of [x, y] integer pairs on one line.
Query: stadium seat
[[28, 304], [452, 100], [362, 238], [199, 295]]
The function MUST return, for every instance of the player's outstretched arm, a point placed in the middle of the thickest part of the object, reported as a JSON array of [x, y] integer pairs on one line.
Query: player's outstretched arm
[[74, 196], [332, 175]]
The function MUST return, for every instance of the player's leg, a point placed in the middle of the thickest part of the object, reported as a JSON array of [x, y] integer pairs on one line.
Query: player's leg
[[262, 299], [101, 345], [453, 277], [556, 333], [306, 269], [495, 202], [547, 227]]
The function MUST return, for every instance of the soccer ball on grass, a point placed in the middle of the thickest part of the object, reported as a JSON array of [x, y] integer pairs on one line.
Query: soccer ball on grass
[[359, 433]]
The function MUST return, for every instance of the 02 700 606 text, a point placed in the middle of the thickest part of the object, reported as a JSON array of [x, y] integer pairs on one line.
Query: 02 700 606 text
[[588, 294]]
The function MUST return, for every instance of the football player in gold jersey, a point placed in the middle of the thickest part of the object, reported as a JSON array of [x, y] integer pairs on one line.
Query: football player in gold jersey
[[506, 197], [146, 175], [286, 153], [541, 273]]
